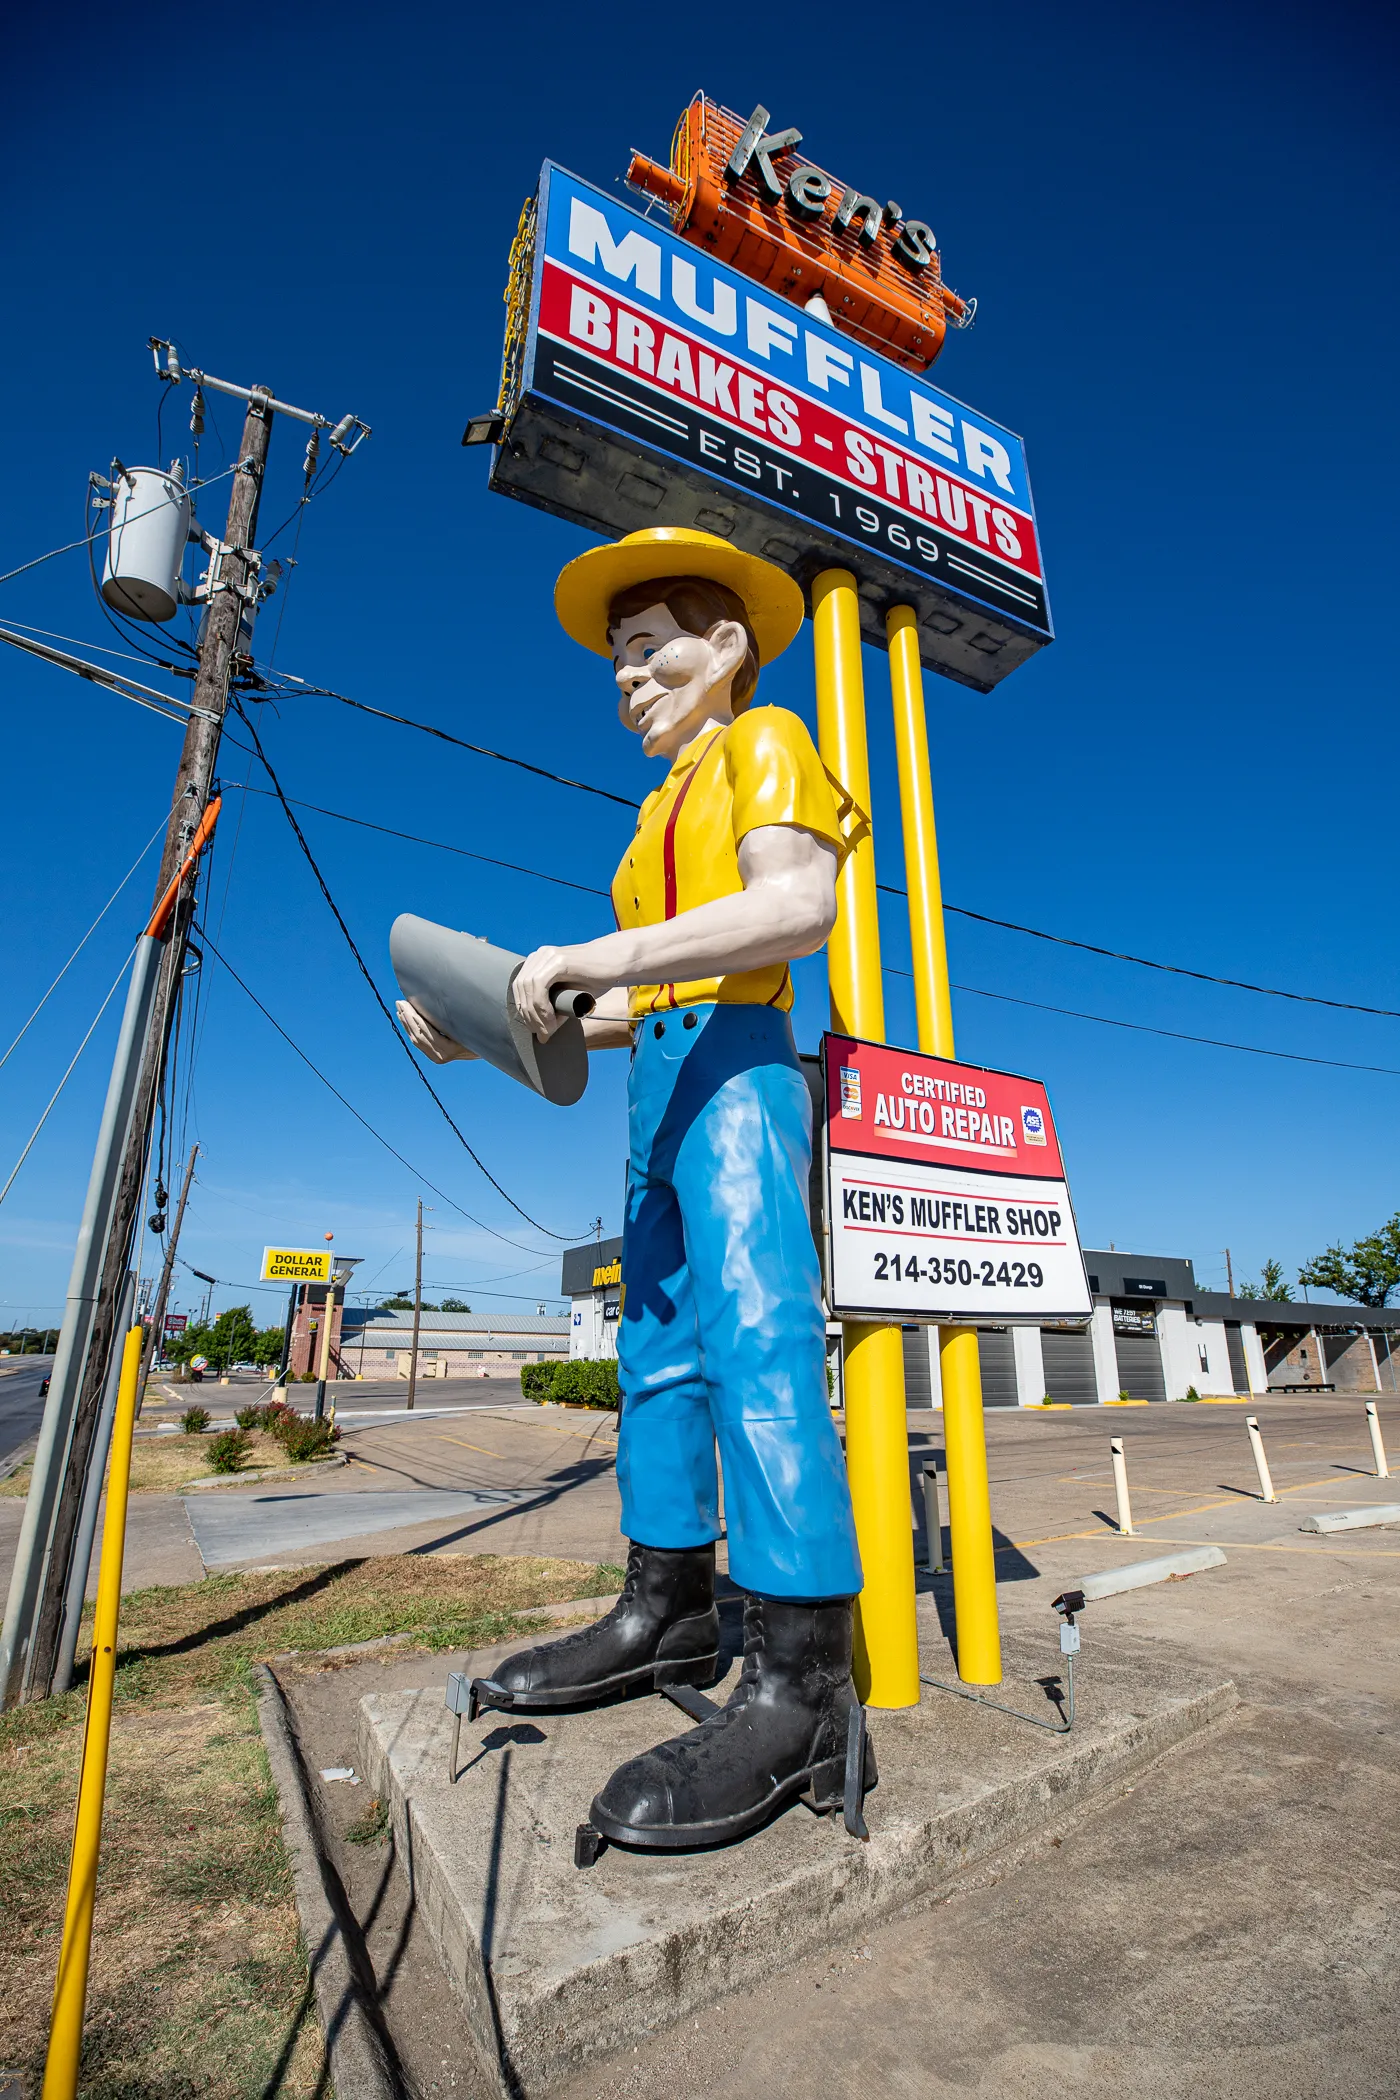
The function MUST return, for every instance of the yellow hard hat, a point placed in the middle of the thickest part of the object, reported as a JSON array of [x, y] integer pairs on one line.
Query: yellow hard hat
[[588, 586]]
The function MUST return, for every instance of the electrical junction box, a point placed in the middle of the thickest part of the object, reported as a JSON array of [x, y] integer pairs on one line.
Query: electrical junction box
[[647, 384]]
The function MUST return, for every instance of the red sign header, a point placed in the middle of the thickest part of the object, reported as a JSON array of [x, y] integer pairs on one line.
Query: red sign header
[[899, 1104]]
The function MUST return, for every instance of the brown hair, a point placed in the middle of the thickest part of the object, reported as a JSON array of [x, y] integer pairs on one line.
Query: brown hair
[[696, 605]]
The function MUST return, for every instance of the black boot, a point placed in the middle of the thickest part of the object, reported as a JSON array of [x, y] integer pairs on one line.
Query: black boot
[[783, 1733], [663, 1629]]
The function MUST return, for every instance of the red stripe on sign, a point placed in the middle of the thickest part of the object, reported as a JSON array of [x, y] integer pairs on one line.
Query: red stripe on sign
[[603, 328]]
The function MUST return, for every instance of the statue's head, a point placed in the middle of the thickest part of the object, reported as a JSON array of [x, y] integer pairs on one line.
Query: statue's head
[[685, 642], [683, 654]]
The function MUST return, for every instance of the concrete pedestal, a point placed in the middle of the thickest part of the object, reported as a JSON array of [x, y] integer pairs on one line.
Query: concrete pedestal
[[553, 1965]]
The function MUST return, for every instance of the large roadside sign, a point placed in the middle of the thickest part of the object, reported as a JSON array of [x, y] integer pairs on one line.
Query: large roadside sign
[[296, 1265], [647, 384], [946, 1193]]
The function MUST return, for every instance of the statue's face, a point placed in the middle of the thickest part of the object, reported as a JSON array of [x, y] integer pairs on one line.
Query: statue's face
[[673, 683]]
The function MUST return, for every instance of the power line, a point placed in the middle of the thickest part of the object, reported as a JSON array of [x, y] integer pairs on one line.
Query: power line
[[445, 736], [1142, 1028], [514, 867], [364, 970], [4, 1192], [331, 1087], [1237, 984], [1105, 1020], [85, 939], [890, 889], [40, 559]]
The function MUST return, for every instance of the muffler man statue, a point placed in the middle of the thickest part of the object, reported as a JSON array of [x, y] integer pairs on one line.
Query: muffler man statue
[[731, 876]]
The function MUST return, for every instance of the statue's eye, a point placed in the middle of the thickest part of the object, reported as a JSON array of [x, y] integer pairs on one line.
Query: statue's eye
[[647, 654]]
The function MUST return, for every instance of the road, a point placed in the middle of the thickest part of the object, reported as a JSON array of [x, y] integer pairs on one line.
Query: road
[[21, 1409]]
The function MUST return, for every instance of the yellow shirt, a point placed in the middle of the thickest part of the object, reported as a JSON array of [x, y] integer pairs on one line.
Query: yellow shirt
[[760, 769]]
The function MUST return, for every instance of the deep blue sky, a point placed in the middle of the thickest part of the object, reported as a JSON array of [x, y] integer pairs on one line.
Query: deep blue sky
[[1179, 222]]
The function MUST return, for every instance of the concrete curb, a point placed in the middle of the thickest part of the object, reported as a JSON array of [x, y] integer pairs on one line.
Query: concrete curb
[[256, 1475], [359, 2063], [1111, 1582], [1353, 1519]]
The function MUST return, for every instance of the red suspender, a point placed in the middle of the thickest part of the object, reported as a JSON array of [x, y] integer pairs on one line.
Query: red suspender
[[668, 854], [668, 846]]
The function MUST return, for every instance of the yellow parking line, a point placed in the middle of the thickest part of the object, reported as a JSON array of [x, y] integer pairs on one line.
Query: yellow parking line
[[1167, 1517]]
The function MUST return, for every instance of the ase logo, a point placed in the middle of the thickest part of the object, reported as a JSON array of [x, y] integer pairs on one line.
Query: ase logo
[[1032, 1126]]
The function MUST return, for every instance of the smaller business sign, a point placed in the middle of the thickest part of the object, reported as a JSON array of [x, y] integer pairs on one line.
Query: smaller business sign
[[1133, 1319], [946, 1193], [595, 1267], [176, 1323], [296, 1265]]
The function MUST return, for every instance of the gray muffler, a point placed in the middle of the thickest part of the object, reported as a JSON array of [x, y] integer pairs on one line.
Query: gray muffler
[[463, 985]]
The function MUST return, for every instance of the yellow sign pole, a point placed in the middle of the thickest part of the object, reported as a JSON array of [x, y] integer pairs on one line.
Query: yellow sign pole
[[964, 1433], [70, 1988], [877, 1436]]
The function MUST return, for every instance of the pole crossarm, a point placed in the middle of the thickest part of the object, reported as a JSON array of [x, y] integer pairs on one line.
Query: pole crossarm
[[172, 372]]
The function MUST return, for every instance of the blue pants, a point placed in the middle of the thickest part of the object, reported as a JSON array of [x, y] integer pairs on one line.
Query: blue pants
[[722, 1334]]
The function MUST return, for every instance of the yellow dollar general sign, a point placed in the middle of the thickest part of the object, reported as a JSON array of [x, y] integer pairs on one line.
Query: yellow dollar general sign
[[296, 1265]]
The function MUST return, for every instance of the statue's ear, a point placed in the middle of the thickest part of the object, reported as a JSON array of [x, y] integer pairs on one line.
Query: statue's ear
[[730, 646]]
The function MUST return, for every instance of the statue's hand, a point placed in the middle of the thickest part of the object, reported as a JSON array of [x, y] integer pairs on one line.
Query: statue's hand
[[537, 976], [429, 1040]]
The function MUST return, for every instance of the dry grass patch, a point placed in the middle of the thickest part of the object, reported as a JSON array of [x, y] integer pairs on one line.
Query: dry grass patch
[[163, 1465], [199, 1981]]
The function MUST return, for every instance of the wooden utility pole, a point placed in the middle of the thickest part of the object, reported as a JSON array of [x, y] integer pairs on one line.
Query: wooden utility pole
[[1229, 1272], [232, 589], [417, 1309], [157, 1328]]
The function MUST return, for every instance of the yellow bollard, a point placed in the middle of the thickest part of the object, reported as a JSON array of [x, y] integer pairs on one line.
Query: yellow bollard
[[877, 1436], [965, 1439], [969, 1510], [70, 1987]]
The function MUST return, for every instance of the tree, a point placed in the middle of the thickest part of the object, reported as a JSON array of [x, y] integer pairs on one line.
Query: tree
[[454, 1305], [402, 1301], [267, 1349], [1270, 1285], [1366, 1272], [233, 1339], [193, 1340]]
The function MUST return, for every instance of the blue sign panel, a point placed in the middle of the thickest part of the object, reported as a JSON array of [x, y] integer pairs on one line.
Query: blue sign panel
[[654, 386]]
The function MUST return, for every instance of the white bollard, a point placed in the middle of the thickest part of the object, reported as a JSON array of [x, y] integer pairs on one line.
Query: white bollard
[[1120, 1487], [1261, 1463], [1373, 1423], [933, 1517]]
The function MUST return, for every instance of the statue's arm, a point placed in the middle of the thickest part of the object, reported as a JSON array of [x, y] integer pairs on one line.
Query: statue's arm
[[786, 909]]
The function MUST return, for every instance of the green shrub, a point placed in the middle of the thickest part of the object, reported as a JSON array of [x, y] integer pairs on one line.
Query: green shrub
[[228, 1450], [1190, 1393], [194, 1420], [587, 1381], [249, 1418], [305, 1439], [536, 1380]]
